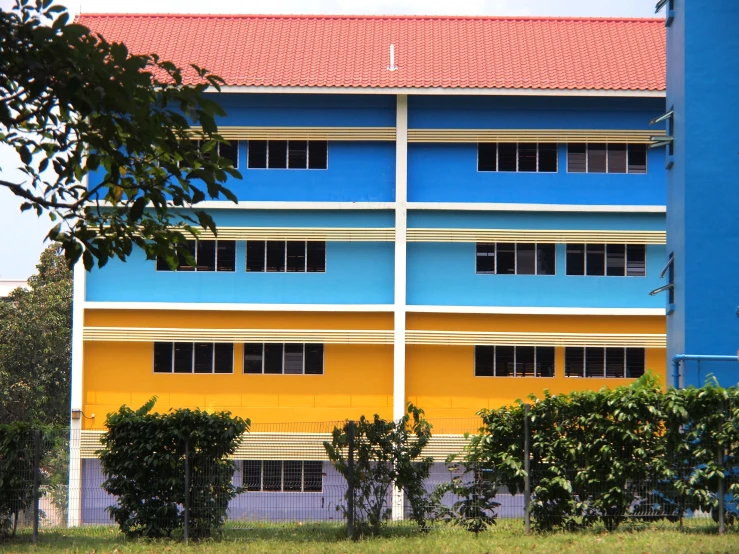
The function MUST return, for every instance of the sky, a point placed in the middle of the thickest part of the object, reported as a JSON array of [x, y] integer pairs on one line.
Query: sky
[[22, 234]]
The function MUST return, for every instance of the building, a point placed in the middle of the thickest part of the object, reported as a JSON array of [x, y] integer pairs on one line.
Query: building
[[702, 162], [455, 212]]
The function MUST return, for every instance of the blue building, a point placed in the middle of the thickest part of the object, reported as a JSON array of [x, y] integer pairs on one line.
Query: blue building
[[702, 160], [454, 212]]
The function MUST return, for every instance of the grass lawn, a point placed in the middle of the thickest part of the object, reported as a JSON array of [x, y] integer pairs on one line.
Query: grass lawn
[[507, 536]]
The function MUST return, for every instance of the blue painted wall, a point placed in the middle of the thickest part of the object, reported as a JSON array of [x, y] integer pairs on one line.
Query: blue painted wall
[[356, 272], [703, 227], [448, 173], [444, 274]]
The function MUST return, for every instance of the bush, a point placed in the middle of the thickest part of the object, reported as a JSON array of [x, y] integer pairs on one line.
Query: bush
[[631, 452], [385, 453], [143, 461]]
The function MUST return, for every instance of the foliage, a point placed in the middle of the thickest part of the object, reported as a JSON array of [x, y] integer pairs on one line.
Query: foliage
[[74, 105], [143, 461], [386, 453], [35, 345], [631, 452]]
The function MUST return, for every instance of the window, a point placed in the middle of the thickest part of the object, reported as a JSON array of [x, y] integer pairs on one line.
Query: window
[[612, 260], [283, 476], [210, 255], [523, 157], [607, 158], [229, 150], [604, 362], [514, 361], [283, 359], [197, 357], [515, 259], [279, 256], [287, 154]]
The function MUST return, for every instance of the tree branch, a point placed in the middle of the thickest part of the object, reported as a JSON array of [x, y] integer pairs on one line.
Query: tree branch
[[18, 190]]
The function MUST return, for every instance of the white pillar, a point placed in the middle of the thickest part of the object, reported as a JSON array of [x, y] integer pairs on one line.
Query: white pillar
[[74, 513], [401, 226]]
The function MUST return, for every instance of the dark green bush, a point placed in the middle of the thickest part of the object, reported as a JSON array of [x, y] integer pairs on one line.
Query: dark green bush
[[385, 453], [143, 461]]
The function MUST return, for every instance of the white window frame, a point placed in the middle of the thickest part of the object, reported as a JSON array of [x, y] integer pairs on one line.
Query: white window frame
[[192, 361], [287, 155], [305, 251], [515, 369], [605, 260], [587, 169], [245, 484], [323, 359], [195, 256], [515, 263], [497, 158], [605, 367]]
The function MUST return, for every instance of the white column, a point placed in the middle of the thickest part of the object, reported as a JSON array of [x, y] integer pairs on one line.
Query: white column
[[74, 514], [401, 226]]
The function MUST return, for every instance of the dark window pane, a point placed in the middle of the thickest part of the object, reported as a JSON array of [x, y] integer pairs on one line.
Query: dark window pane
[[296, 256], [257, 154], [292, 476], [526, 259], [223, 359], [273, 358], [635, 363], [484, 360], [574, 361], [230, 151], [314, 359], [486, 156], [616, 158], [506, 259], [527, 157], [203, 357], [596, 259], [255, 255], [293, 359], [272, 475], [636, 261], [504, 358], [163, 357], [507, 157], [317, 154], [614, 362], [596, 158], [316, 258], [575, 259], [594, 362], [277, 154], [545, 259], [185, 265], [485, 258], [275, 256], [183, 357], [206, 255], [525, 361], [297, 154], [638, 158], [545, 361], [548, 158], [253, 358], [162, 264], [252, 477], [312, 476], [576, 158], [226, 255], [615, 260]]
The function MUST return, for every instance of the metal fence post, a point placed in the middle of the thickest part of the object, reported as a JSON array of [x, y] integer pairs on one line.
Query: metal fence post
[[187, 488], [36, 475], [350, 481], [527, 468], [721, 500]]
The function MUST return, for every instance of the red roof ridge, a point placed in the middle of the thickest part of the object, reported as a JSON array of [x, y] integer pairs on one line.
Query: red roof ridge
[[377, 17]]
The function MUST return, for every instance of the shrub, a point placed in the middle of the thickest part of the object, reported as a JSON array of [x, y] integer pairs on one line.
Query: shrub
[[144, 465], [385, 453]]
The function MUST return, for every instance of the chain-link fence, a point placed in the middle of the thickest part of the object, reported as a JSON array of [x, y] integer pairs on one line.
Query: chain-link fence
[[281, 473]]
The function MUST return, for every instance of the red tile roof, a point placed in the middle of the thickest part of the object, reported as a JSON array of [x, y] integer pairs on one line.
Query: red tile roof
[[446, 52]]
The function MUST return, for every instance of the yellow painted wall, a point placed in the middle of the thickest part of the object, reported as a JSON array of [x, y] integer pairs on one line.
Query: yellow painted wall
[[357, 379]]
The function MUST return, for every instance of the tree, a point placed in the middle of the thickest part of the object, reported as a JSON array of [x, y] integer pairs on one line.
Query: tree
[[35, 345], [73, 105]]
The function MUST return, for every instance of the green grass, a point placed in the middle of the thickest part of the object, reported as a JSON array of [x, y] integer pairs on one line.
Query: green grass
[[507, 536]]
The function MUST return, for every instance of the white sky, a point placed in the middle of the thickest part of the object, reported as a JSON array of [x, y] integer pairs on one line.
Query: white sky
[[21, 235]]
